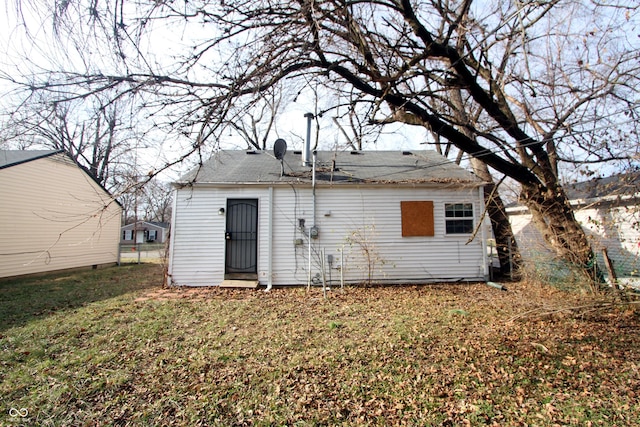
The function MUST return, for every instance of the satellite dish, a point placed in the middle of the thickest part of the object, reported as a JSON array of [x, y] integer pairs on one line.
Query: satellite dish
[[280, 148]]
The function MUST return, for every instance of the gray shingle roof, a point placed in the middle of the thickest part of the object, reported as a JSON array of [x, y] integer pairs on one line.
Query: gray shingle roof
[[627, 184], [238, 167]]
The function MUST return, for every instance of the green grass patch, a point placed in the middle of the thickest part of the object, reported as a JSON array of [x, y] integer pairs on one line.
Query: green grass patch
[[23, 300], [110, 347]]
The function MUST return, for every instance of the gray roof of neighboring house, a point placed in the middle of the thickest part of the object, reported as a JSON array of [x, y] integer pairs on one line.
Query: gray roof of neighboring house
[[335, 167], [627, 184], [10, 158], [611, 189], [154, 223], [159, 224]]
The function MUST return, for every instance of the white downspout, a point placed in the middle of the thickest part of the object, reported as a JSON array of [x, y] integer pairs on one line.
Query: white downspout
[[309, 267], [306, 154], [313, 187], [483, 234], [270, 237], [172, 236], [313, 199]]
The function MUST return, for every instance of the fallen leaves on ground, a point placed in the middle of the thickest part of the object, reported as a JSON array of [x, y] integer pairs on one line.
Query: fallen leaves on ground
[[451, 354]]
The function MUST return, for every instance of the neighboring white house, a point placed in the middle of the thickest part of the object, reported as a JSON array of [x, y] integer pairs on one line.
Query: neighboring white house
[[53, 215], [609, 212], [379, 216], [145, 231]]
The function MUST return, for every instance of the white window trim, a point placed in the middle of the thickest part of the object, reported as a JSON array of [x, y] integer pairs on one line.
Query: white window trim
[[470, 217]]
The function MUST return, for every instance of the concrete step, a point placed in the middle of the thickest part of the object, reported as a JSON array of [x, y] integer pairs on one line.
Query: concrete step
[[239, 284]]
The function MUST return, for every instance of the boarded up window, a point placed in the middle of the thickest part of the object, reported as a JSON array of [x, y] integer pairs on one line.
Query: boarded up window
[[417, 218]]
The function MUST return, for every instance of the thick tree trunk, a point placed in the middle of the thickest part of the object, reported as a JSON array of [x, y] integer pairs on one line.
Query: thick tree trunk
[[553, 217], [506, 246]]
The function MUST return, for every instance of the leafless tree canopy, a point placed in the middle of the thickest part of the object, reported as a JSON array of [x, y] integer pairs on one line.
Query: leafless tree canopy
[[97, 137], [546, 82], [550, 81]]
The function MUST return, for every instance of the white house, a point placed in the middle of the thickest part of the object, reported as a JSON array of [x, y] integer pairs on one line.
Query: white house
[[53, 215], [608, 210], [378, 216], [145, 232]]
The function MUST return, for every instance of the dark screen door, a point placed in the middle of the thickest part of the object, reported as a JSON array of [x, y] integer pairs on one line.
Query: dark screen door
[[241, 237]]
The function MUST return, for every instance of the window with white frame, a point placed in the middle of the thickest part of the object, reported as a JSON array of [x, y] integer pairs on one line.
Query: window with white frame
[[458, 218], [152, 235], [127, 234]]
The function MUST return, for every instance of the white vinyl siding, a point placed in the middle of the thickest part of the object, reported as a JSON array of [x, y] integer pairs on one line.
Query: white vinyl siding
[[198, 239], [352, 221], [54, 217]]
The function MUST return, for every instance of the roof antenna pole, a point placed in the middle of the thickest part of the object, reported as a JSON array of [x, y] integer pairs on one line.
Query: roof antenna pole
[[306, 153]]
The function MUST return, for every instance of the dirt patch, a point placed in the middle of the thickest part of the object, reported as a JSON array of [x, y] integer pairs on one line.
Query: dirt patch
[[175, 293]]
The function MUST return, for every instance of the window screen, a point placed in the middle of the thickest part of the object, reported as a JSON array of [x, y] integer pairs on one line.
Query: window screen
[[417, 218], [458, 218]]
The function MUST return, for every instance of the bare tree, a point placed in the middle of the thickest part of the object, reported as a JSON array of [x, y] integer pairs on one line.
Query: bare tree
[[156, 201], [256, 126], [92, 134], [354, 122], [544, 78]]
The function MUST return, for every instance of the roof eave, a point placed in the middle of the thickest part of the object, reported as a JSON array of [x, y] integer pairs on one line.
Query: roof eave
[[407, 183]]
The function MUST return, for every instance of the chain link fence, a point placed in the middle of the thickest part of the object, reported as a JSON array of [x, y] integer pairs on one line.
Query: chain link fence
[[143, 252]]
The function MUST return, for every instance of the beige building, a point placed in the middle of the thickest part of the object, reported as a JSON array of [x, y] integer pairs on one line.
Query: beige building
[[53, 215]]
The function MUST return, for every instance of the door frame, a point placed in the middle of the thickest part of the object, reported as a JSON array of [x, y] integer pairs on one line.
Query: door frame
[[245, 275]]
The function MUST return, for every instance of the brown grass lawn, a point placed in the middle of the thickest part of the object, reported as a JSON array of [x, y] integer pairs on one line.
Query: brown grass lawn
[[112, 347]]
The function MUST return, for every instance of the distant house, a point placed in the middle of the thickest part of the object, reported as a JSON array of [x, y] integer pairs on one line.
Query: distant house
[[608, 210], [146, 232], [53, 215], [365, 216]]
